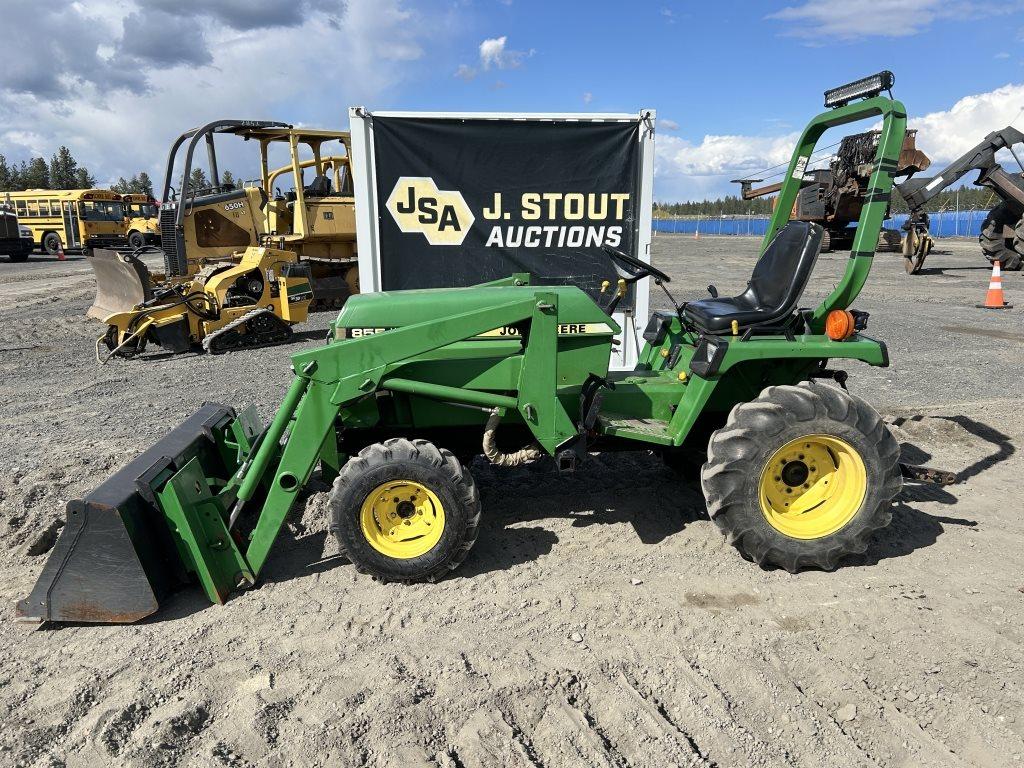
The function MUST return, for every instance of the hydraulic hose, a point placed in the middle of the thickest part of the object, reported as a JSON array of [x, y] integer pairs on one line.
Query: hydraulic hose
[[490, 444]]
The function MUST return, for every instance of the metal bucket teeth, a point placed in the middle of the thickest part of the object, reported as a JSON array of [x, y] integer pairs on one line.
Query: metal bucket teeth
[[115, 559]]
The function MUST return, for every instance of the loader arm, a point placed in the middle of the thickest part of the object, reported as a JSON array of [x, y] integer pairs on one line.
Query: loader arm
[[333, 378], [982, 157]]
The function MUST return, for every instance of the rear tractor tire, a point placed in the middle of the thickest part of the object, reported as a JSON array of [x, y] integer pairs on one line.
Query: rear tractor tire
[[801, 476], [994, 243], [405, 511], [1018, 243]]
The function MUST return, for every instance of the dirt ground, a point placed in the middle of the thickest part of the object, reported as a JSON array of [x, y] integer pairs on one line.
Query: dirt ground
[[601, 620]]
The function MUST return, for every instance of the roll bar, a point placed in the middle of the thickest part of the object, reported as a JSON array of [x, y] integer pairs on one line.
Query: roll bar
[[876, 201], [204, 132]]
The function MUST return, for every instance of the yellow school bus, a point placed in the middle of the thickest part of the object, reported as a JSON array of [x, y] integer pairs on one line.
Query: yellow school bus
[[141, 219], [76, 219]]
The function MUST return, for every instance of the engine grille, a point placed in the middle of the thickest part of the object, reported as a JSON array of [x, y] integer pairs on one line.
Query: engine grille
[[173, 247], [8, 226]]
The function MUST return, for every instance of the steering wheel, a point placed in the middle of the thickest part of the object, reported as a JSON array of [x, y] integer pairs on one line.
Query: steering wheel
[[637, 269]]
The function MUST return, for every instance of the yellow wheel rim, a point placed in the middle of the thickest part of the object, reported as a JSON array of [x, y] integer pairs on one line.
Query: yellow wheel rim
[[813, 486], [402, 519]]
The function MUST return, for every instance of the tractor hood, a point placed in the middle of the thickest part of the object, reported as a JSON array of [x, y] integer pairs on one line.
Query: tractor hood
[[369, 313]]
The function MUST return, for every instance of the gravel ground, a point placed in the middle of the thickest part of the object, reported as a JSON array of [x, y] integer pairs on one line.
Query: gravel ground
[[600, 619]]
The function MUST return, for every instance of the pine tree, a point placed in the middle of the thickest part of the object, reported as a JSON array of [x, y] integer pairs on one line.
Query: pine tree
[[145, 184], [6, 176], [19, 174], [227, 179], [83, 179], [63, 168], [122, 187], [37, 174], [198, 181]]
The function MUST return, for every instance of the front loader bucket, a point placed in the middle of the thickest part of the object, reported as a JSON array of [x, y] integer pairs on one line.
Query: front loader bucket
[[117, 558], [122, 283]]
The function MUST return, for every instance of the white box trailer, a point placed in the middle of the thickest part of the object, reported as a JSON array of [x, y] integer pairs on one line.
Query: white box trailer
[[457, 199]]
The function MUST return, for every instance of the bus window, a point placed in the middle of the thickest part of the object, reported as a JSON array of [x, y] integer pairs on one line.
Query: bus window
[[33, 209], [44, 207], [20, 204], [55, 207], [101, 210]]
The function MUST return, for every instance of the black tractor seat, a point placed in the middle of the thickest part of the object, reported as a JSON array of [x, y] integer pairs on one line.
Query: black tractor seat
[[774, 289]]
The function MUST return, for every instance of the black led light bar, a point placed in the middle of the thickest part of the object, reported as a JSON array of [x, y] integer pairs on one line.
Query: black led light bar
[[864, 88]]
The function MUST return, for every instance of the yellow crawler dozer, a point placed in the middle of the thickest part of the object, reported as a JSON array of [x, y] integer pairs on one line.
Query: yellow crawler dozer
[[215, 227]]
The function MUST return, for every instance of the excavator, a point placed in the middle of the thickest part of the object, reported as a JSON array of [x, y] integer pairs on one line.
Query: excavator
[[207, 231], [1002, 232]]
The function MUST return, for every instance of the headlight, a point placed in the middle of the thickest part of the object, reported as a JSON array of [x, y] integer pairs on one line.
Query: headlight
[[864, 88], [25, 232]]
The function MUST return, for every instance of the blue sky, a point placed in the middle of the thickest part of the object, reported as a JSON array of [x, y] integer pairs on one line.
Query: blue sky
[[732, 82]]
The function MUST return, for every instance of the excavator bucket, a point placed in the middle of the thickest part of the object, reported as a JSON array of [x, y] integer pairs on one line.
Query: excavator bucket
[[122, 283], [149, 529]]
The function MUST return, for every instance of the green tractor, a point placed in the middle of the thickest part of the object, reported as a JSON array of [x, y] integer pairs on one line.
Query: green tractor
[[798, 473]]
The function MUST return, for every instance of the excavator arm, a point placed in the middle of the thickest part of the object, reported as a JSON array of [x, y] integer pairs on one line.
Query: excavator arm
[[919, 191]]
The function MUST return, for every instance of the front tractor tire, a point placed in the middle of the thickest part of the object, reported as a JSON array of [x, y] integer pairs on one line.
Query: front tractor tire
[[801, 476], [405, 511]]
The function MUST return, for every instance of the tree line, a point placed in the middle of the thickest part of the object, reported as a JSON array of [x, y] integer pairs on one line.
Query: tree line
[[976, 198], [62, 172]]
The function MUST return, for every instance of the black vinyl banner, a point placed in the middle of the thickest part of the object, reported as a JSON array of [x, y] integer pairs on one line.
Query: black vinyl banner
[[467, 201]]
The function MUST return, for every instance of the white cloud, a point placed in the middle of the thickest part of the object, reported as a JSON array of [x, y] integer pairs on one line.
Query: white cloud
[[493, 52], [687, 171], [669, 15], [946, 135], [465, 72], [1001, 55], [817, 20], [668, 125], [588, 97], [118, 103]]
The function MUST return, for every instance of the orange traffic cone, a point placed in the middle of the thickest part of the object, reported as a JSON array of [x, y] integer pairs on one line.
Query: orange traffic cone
[[60, 251], [994, 299]]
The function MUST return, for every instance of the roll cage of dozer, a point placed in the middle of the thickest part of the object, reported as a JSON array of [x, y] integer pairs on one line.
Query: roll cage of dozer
[[1002, 232], [797, 474], [266, 133]]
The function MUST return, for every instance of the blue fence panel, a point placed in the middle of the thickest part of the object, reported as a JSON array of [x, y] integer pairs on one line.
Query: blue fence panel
[[942, 224]]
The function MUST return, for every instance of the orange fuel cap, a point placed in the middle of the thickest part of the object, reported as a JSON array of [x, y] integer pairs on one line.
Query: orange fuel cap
[[839, 325]]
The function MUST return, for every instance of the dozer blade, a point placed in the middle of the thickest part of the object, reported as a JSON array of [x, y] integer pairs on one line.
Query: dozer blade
[[117, 558], [122, 283]]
